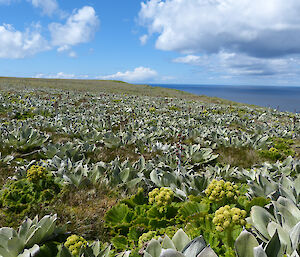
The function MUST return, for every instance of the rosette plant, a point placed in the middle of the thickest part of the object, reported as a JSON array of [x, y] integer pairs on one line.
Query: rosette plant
[[179, 246], [25, 241]]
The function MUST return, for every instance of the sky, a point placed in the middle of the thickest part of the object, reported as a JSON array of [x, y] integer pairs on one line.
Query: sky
[[230, 42]]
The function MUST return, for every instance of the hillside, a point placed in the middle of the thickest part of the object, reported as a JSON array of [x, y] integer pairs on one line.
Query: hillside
[[107, 86], [107, 166]]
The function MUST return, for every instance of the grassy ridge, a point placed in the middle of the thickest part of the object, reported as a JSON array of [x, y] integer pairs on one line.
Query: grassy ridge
[[108, 86]]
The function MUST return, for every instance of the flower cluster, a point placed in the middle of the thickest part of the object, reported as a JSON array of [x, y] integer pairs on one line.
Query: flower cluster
[[74, 243], [218, 190], [152, 109], [146, 237], [36, 173], [273, 150], [226, 217], [161, 197]]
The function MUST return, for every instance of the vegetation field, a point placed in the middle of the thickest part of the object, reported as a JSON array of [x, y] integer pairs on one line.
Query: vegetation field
[[106, 168]]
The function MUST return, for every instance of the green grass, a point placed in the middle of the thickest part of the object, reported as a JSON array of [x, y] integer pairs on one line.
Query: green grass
[[108, 86]]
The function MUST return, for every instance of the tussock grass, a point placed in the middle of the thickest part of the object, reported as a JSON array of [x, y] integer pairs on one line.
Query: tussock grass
[[84, 209], [242, 157], [5, 172]]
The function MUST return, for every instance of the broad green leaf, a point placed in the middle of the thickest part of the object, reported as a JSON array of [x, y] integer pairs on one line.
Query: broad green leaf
[[124, 174], [167, 243], [274, 247], [180, 239], [245, 244], [259, 252], [190, 208], [194, 247], [154, 248], [117, 214], [207, 252], [295, 236], [283, 234], [171, 253], [120, 242], [260, 219]]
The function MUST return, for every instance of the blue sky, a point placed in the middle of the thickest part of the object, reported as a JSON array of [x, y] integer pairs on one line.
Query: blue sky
[[173, 41]]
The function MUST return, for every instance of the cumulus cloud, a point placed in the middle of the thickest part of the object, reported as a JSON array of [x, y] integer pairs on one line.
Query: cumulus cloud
[[48, 6], [79, 28], [188, 59], [139, 74], [16, 44], [256, 28], [236, 64]]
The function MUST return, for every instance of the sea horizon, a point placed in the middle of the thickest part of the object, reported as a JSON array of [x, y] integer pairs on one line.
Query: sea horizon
[[283, 98]]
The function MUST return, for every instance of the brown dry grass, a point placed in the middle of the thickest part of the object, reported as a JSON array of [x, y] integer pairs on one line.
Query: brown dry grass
[[296, 147], [125, 152], [5, 172], [241, 157], [81, 210], [85, 210]]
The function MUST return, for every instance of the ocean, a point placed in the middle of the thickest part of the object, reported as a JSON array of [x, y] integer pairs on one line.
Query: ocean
[[284, 98]]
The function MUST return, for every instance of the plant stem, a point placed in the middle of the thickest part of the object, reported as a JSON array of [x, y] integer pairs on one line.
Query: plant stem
[[229, 237]]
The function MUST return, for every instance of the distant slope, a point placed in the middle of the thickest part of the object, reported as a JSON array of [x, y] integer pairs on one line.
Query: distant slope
[[108, 86]]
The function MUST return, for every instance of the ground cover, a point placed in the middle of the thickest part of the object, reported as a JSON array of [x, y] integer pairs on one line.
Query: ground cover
[[113, 169]]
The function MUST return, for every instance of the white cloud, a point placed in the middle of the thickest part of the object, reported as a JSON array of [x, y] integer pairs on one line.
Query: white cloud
[[48, 6], [189, 59], [137, 75], [15, 44], [72, 54], [79, 28], [61, 75], [144, 39], [67, 49], [254, 27], [236, 64], [63, 48]]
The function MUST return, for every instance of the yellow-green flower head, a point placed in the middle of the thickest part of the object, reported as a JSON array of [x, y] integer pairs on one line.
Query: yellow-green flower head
[[144, 238], [226, 217], [162, 196], [74, 243], [219, 190], [36, 173], [273, 150]]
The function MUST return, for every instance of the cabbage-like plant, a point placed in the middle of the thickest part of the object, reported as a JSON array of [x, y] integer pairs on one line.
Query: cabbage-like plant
[[111, 140], [196, 155], [25, 241], [179, 246], [246, 245], [183, 182], [25, 138], [285, 222], [226, 172], [6, 159]]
